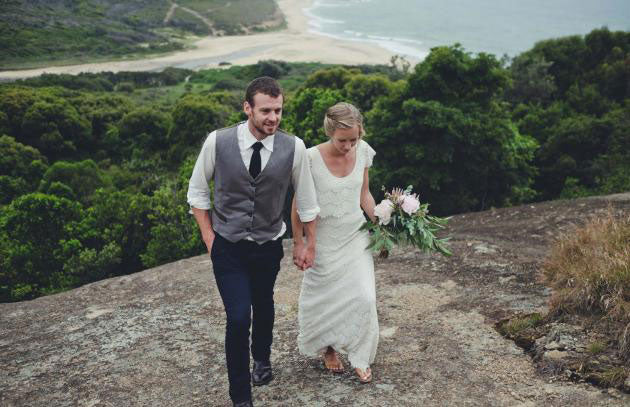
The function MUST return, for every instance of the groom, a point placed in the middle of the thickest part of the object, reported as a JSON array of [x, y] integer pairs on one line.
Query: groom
[[251, 164]]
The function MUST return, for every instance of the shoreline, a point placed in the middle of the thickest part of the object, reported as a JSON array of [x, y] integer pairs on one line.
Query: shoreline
[[293, 44]]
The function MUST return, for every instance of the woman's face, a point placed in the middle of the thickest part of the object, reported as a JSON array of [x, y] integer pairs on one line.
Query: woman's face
[[344, 140]]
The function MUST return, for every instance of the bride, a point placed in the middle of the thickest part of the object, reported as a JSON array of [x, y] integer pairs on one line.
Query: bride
[[337, 306]]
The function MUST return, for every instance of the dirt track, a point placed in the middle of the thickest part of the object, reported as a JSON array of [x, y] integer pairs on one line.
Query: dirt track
[[155, 338]]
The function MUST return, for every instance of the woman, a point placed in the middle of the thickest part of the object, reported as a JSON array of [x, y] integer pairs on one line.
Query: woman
[[337, 306]]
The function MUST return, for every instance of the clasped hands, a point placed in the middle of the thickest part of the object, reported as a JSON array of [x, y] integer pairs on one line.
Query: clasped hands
[[303, 255]]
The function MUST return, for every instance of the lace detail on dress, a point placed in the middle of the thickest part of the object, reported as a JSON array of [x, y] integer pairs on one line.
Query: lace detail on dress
[[337, 202], [338, 196], [339, 231]]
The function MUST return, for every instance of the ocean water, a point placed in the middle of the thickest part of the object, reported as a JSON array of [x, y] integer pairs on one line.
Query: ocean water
[[412, 27]]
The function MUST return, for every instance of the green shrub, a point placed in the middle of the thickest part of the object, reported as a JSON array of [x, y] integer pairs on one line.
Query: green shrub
[[81, 177], [516, 325], [126, 87], [33, 229]]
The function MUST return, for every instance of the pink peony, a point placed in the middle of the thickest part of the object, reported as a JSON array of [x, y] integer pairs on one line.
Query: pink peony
[[383, 211], [410, 204]]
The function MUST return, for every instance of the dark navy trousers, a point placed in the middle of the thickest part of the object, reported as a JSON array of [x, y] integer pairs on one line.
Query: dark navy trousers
[[245, 273]]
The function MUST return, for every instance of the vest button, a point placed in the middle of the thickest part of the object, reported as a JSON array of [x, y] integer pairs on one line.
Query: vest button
[[253, 184], [248, 229], [250, 214]]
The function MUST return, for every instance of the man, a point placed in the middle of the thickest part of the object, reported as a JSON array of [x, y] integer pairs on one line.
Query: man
[[252, 164]]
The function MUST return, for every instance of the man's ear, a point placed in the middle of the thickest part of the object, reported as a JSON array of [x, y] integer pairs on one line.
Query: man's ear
[[247, 108]]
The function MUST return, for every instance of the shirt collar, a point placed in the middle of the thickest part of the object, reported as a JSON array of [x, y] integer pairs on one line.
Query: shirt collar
[[250, 140]]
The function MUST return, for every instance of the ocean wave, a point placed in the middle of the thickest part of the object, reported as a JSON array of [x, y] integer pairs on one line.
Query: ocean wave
[[402, 49], [395, 45], [320, 4], [330, 27], [338, 4], [317, 21], [395, 39], [358, 34]]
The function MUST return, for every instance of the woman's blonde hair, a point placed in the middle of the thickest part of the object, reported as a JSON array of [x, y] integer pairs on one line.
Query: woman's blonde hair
[[343, 116]]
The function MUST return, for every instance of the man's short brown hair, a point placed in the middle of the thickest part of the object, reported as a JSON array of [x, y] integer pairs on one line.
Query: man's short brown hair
[[265, 85]]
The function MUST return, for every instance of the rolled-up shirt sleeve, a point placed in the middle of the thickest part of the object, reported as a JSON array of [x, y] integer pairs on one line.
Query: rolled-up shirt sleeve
[[305, 196], [198, 187]]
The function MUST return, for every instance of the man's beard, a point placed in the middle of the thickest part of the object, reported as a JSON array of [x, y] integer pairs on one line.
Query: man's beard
[[261, 128]]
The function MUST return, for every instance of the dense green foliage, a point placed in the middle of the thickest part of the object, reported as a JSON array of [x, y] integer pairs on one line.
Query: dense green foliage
[[447, 133], [194, 116], [33, 33], [94, 167], [104, 169], [21, 167], [576, 104]]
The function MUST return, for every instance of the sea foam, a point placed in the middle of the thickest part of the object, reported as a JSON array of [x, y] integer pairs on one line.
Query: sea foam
[[331, 28]]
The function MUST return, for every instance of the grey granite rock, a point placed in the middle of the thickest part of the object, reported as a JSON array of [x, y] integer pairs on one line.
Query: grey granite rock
[[155, 338]]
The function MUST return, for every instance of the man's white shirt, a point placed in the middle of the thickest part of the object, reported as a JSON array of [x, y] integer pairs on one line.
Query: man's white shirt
[[301, 178]]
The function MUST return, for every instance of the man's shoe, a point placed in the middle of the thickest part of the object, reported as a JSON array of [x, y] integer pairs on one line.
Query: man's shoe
[[261, 374], [247, 403]]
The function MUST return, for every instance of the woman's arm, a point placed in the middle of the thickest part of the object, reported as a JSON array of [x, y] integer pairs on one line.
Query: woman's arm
[[367, 200], [304, 208], [297, 227]]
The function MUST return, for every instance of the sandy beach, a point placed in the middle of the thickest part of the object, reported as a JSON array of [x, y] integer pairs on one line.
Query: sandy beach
[[294, 44]]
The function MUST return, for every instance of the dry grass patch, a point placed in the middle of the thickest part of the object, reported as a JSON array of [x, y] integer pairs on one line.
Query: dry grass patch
[[596, 347], [589, 271], [614, 377]]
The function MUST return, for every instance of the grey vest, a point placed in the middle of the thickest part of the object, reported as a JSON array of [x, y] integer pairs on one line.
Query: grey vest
[[244, 206]]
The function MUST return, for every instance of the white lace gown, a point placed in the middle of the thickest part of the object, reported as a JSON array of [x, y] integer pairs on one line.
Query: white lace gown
[[337, 305]]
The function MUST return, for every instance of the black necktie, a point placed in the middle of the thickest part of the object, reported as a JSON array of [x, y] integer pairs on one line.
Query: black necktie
[[254, 164]]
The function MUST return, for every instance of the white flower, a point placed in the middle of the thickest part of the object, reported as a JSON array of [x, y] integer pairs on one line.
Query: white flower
[[397, 196], [410, 204], [383, 211]]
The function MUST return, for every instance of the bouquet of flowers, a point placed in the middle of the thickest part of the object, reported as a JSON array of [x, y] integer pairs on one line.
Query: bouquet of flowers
[[403, 220]]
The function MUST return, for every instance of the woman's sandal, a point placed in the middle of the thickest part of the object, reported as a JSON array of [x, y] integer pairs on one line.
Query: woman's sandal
[[334, 365], [364, 377]]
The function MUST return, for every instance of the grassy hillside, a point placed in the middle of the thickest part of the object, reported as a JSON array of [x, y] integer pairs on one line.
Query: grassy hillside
[[35, 33]]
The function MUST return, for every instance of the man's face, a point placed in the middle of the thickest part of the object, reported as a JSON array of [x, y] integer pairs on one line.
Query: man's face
[[265, 115]]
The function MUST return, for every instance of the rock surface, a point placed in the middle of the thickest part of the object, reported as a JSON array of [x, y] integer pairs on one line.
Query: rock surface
[[155, 338]]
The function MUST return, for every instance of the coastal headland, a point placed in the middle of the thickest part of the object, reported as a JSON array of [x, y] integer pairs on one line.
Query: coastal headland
[[293, 44]]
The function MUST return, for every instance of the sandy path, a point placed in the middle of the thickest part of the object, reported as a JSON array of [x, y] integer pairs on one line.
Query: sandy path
[[170, 12], [207, 22], [294, 44]]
